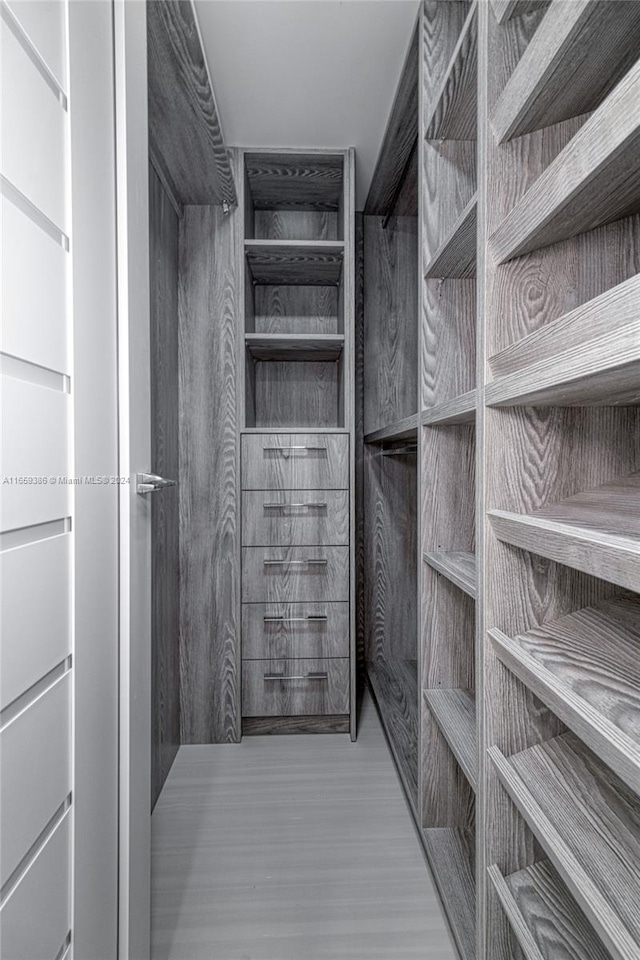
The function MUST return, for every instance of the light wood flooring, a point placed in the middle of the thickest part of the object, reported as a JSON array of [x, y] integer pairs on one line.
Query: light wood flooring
[[291, 848]]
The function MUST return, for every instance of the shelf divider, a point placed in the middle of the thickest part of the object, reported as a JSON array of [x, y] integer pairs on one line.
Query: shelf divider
[[544, 916], [450, 854], [586, 667], [461, 409], [457, 566], [295, 346], [589, 824], [455, 714], [590, 356], [593, 181], [453, 113], [578, 53], [455, 258]]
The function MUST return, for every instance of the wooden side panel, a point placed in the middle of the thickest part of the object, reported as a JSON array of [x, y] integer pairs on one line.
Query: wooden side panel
[[209, 570], [165, 456], [184, 123], [391, 317]]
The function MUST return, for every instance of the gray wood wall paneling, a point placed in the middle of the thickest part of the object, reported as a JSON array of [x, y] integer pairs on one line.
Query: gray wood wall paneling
[[165, 523], [209, 501], [359, 440], [531, 457], [184, 123]]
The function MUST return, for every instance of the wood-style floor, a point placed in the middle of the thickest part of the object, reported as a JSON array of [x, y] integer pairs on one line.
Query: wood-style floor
[[291, 848]]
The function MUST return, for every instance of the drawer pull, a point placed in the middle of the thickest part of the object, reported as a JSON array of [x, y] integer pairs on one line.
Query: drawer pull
[[292, 447], [316, 619], [319, 505], [295, 563], [309, 676]]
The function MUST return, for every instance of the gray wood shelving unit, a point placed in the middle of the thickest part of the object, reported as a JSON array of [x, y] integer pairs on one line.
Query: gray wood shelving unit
[[503, 558]]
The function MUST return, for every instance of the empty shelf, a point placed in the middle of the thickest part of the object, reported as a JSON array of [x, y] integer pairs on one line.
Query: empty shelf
[[588, 821], [460, 409], [396, 686], [589, 357], [456, 566], [597, 532], [544, 916], [453, 113], [455, 713], [295, 262], [450, 855], [400, 430], [577, 54], [586, 667], [594, 180], [504, 10], [301, 346], [456, 256]]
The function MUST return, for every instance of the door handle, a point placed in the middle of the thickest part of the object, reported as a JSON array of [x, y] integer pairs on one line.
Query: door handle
[[150, 483]]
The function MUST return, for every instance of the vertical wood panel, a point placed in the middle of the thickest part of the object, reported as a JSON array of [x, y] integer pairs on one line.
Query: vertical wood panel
[[209, 569], [165, 519]]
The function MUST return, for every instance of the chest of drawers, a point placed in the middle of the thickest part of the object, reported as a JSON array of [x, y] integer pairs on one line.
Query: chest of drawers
[[296, 580]]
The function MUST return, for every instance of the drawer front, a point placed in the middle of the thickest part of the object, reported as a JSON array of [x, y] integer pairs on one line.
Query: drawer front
[[301, 461], [295, 688], [294, 630], [294, 574], [295, 517]]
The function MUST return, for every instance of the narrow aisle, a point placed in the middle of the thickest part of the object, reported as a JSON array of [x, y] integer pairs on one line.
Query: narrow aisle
[[291, 848]]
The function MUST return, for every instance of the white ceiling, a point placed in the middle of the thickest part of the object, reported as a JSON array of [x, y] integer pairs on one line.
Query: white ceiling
[[307, 73]]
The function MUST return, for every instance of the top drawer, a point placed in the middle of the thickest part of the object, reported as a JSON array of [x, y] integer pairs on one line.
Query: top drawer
[[295, 461]]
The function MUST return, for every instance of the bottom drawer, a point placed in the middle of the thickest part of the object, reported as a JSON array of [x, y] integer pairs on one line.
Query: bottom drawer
[[295, 688]]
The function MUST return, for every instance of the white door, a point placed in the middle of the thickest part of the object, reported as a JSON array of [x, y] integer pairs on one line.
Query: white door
[[135, 454], [58, 520]]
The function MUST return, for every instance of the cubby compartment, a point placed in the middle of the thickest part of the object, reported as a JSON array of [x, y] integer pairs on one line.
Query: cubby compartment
[[292, 196], [284, 393]]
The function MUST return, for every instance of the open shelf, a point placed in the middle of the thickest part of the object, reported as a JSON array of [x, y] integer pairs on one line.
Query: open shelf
[[504, 10], [400, 430], [544, 916], [593, 181], [451, 857], [575, 57], [453, 112], [460, 409], [311, 346], [589, 357], [455, 258], [295, 262], [588, 821], [395, 687], [455, 714], [586, 667], [457, 566], [597, 532]]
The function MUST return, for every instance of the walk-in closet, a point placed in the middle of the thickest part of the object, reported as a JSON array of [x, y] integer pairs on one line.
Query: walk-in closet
[[320, 500]]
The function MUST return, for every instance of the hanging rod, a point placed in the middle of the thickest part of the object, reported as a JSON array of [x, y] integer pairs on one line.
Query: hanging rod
[[400, 451]]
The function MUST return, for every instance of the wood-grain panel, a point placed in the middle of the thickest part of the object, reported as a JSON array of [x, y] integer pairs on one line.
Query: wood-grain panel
[[301, 574], [294, 393], [209, 501], [292, 461], [183, 119], [282, 181], [307, 687], [285, 726], [451, 857], [391, 320], [399, 138], [395, 688], [289, 224], [165, 460], [295, 630], [295, 262], [296, 309], [452, 113], [296, 517], [544, 916]]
